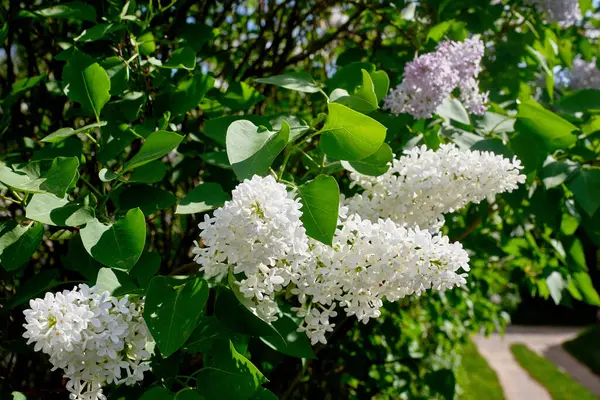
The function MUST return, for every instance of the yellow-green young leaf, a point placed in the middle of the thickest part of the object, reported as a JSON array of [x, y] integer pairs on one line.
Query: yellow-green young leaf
[[251, 150], [364, 98], [349, 135], [320, 205], [228, 375], [585, 186], [172, 310], [298, 81], [555, 132], [63, 133], [52, 210], [86, 83], [18, 243], [381, 83], [54, 176], [117, 245], [374, 165], [582, 288], [146, 43], [157, 145], [204, 197]]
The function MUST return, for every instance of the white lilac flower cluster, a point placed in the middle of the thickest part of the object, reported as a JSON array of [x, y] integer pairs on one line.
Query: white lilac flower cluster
[[386, 246], [584, 75], [95, 338], [423, 184], [430, 79], [565, 12], [370, 262], [258, 234]]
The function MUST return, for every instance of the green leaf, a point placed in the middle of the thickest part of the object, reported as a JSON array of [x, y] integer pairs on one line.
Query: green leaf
[[152, 172], [74, 10], [196, 35], [364, 98], [87, 83], [381, 83], [147, 198], [172, 310], [298, 81], [556, 285], [118, 245], [118, 73], [117, 283], [128, 107], [204, 197], [22, 85], [555, 132], [52, 210], [585, 186], [251, 151], [453, 110], [555, 173], [156, 146], [530, 150], [146, 43], [190, 92], [183, 58], [228, 375], [216, 128], [374, 165], [297, 125], [18, 396], [38, 284], [63, 133], [580, 101], [207, 333], [18, 243], [240, 96], [158, 393], [437, 32], [289, 341], [41, 176], [582, 283], [216, 158], [349, 135], [320, 205], [146, 267], [349, 77], [98, 32], [442, 382], [231, 312]]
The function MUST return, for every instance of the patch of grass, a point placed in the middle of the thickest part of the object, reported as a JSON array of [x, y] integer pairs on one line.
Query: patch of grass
[[585, 348], [475, 377], [560, 385]]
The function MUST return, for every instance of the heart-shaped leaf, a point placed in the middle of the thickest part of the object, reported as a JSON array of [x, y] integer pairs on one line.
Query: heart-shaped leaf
[[320, 207], [118, 245], [349, 135], [18, 243], [250, 150], [204, 197], [51, 210]]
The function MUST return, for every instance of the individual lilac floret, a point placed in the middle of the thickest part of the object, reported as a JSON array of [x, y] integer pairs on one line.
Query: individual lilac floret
[[430, 79]]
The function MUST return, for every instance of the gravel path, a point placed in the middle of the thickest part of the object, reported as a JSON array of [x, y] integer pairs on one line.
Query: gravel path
[[546, 341]]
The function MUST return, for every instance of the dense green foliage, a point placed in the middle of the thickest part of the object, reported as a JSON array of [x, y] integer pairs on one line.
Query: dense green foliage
[[559, 385], [122, 123]]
